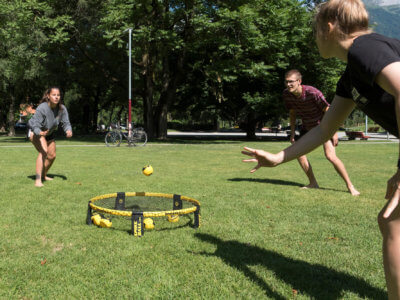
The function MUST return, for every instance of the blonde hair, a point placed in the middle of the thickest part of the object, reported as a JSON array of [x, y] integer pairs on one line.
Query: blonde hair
[[348, 16], [293, 72]]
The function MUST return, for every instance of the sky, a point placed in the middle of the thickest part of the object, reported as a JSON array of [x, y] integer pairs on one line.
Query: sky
[[390, 2]]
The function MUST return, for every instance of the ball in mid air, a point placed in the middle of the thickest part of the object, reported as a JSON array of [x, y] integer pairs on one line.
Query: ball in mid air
[[147, 170], [148, 223]]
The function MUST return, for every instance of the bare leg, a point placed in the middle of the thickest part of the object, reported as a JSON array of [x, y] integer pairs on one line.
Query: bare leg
[[51, 156], [330, 154], [40, 144], [390, 229], [306, 166]]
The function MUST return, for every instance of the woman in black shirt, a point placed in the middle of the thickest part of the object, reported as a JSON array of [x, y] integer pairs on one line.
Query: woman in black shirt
[[371, 82]]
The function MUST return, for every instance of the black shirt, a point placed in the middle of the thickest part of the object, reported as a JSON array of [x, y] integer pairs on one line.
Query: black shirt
[[368, 55]]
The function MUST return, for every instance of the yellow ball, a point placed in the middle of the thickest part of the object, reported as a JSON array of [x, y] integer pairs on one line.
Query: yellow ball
[[173, 218], [147, 170], [96, 219], [148, 223], [105, 223]]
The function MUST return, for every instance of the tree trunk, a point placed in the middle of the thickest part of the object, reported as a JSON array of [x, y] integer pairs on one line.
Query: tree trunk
[[86, 118], [251, 126], [3, 120], [148, 105], [168, 91], [95, 111], [11, 114], [148, 95]]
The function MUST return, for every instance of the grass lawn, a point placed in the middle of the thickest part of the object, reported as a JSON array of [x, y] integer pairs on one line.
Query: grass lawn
[[261, 235]]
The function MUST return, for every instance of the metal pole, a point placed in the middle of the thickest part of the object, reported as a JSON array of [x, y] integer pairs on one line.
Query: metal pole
[[130, 83], [130, 78], [366, 124]]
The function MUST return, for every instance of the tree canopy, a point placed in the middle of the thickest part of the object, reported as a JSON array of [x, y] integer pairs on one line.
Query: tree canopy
[[196, 62]]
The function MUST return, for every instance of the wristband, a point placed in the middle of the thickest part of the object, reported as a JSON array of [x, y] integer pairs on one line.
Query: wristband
[[398, 164]]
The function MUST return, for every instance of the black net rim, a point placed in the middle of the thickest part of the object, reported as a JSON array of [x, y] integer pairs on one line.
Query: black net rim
[[150, 214]]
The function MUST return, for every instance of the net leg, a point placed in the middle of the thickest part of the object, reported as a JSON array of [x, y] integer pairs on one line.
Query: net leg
[[89, 215], [197, 216], [177, 202], [137, 224], [120, 201]]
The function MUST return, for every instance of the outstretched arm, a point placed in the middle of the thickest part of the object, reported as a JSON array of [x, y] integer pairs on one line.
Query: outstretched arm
[[334, 117]]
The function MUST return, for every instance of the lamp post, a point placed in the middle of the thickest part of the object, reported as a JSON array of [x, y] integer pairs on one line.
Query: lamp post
[[130, 83]]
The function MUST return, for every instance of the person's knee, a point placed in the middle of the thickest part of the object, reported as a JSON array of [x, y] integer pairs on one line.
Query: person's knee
[[51, 156], [44, 153], [331, 157]]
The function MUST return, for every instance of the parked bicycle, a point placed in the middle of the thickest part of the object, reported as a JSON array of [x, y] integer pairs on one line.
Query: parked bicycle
[[136, 137]]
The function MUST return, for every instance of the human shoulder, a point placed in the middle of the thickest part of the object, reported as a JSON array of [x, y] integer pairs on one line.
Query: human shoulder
[[367, 45], [42, 107], [370, 53], [310, 90]]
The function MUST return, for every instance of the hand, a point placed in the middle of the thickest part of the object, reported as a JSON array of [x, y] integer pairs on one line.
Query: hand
[[335, 140], [392, 194], [262, 158], [292, 140], [44, 133], [68, 133]]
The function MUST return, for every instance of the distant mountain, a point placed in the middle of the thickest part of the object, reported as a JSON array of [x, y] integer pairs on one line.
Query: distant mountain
[[384, 16], [389, 2], [382, 2]]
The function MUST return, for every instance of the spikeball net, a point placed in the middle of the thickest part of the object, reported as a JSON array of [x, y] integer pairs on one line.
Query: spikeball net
[[140, 206]]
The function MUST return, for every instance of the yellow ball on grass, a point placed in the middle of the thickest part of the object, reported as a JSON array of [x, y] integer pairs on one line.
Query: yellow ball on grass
[[173, 218], [105, 223], [96, 219], [148, 223]]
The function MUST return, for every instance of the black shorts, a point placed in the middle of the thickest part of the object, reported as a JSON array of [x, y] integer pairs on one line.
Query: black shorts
[[303, 132], [47, 137], [50, 137]]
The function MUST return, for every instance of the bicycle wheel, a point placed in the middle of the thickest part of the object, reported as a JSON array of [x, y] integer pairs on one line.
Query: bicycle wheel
[[139, 137], [113, 138]]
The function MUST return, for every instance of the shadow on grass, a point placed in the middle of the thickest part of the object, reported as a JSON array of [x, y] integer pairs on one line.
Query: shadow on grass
[[267, 180], [15, 139], [314, 280], [281, 182], [165, 226], [33, 177]]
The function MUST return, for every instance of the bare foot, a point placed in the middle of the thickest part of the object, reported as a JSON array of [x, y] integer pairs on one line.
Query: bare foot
[[39, 184], [311, 186], [353, 191], [48, 178]]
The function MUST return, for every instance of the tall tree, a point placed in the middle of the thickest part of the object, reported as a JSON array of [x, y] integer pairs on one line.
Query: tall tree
[[27, 28]]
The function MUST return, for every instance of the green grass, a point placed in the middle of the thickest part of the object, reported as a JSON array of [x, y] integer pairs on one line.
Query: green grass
[[261, 236]]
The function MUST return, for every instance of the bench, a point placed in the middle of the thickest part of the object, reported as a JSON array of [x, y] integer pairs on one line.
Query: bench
[[352, 135]]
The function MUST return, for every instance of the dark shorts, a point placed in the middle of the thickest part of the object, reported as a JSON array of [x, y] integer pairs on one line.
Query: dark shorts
[[50, 137], [303, 132], [47, 137], [298, 136]]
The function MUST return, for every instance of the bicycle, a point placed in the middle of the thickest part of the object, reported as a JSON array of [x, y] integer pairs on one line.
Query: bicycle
[[136, 137]]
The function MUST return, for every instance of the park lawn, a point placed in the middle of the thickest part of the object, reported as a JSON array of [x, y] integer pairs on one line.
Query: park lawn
[[260, 236]]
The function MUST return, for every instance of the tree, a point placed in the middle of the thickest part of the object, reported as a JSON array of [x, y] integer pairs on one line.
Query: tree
[[27, 28]]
